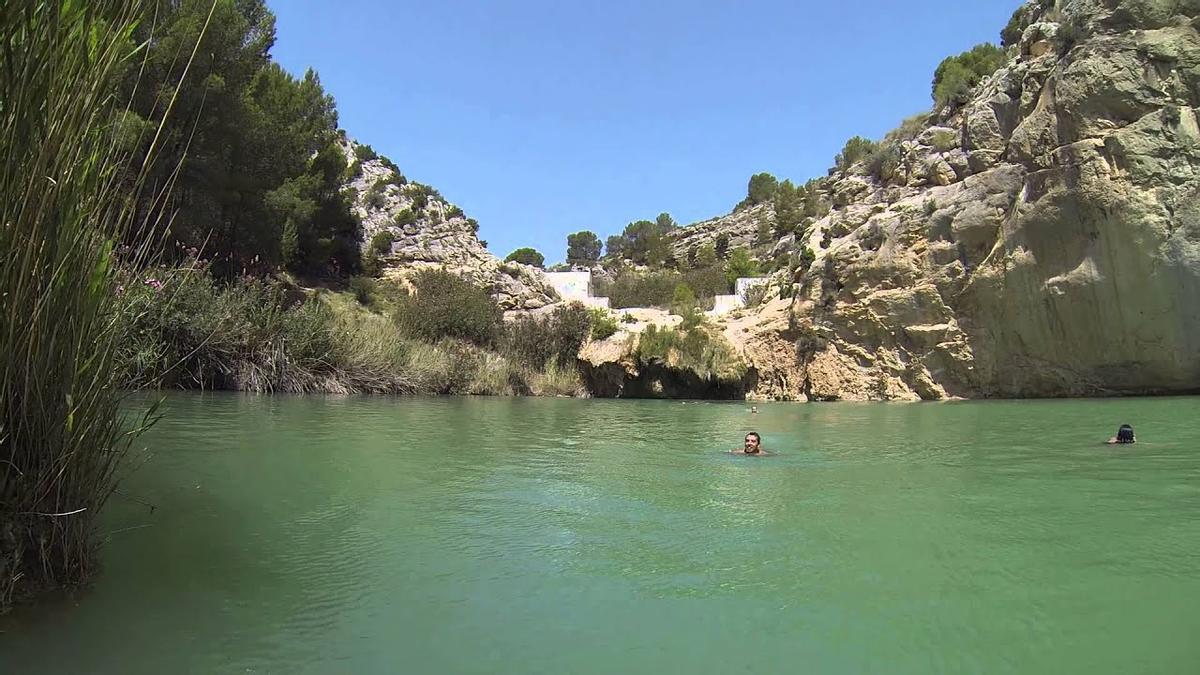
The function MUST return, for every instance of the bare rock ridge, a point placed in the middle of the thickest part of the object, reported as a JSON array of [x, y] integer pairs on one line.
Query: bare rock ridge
[[1041, 240], [426, 231]]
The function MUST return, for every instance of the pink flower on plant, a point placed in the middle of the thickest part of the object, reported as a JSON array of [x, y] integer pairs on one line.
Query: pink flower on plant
[[155, 284]]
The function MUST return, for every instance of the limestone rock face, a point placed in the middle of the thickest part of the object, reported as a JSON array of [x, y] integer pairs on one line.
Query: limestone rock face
[[1066, 264], [740, 226], [429, 232], [1042, 239]]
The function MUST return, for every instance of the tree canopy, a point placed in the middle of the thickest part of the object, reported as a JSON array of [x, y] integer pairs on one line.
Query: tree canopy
[[583, 248], [644, 241], [527, 256], [258, 150], [956, 76]]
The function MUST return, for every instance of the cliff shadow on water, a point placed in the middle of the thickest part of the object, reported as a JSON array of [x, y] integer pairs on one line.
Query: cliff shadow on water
[[660, 380]]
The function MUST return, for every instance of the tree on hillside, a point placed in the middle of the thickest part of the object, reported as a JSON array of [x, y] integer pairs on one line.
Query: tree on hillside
[[644, 241], [740, 265], [956, 76], [855, 150], [614, 246], [527, 256], [583, 248], [257, 149], [789, 209], [722, 245], [760, 190]]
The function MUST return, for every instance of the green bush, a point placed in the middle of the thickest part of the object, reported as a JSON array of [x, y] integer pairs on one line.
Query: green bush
[[1022, 17], [381, 243], [884, 162], [372, 266], [634, 289], [364, 153], [691, 347], [185, 329], [404, 217], [806, 259], [557, 338], [603, 324], [721, 246], [789, 209], [683, 300], [855, 150], [444, 305], [944, 140], [397, 178], [363, 289], [374, 197], [707, 281], [956, 76], [740, 265]]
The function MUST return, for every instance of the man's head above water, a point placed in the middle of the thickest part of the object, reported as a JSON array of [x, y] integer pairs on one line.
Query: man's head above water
[[753, 443]]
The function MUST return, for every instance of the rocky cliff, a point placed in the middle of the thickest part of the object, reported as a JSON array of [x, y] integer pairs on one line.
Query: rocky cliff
[[741, 227], [426, 231], [1041, 240]]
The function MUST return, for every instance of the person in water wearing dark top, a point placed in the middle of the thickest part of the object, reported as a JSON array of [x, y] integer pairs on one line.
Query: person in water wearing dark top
[[753, 446], [1124, 435]]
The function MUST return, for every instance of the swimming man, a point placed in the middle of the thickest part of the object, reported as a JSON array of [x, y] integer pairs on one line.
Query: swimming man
[[753, 446]]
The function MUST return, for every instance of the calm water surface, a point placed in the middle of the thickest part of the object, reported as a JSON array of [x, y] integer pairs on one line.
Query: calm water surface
[[374, 535]]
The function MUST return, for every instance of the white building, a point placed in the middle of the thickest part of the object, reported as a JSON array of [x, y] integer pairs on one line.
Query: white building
[[723, 304], [575, 286]]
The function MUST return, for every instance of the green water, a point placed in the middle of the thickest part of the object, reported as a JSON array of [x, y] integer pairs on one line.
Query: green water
[[371, 535]]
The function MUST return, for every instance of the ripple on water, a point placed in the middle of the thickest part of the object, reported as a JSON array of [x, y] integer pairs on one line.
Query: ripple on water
[[330, 534]]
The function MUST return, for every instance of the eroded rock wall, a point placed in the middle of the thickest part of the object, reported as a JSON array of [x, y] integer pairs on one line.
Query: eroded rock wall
[[1052, 250], [436, 235]]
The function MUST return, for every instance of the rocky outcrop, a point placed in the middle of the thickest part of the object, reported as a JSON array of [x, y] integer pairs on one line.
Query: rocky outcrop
[[429, 232], [1042, 239], [1054, 250], [700, 364], [741, 227]]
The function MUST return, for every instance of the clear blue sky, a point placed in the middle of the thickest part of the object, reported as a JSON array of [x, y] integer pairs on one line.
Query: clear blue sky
[[543, 118]]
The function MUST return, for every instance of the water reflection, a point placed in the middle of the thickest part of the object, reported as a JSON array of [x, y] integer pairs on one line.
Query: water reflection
[[487, 535]]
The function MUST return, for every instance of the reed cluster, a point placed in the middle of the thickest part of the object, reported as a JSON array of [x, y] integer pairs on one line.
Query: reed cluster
[[66, 192]]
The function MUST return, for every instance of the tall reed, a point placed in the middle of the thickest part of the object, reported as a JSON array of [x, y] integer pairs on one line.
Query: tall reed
[[66, 206]]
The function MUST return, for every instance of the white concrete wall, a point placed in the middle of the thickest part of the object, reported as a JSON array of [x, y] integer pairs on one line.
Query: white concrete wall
[[723, 304], [744, 284], [571, 285]]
